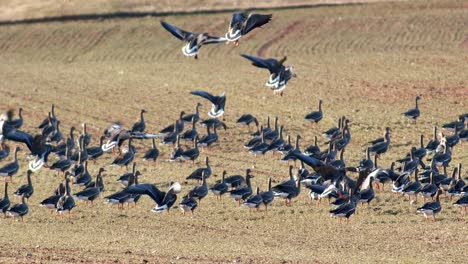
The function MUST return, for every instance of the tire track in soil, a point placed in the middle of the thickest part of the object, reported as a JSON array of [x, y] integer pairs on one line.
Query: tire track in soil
[[282, 34]]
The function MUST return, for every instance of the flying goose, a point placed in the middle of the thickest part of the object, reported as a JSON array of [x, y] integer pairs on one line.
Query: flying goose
[[217, 102], [194, 40], [241, 24]]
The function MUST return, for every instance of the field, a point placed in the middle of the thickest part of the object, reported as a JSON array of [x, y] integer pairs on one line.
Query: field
[[366, 62]]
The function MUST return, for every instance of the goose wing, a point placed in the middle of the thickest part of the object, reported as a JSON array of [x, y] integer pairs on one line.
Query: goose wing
[[255, 20], [177, 32], [271, 64]]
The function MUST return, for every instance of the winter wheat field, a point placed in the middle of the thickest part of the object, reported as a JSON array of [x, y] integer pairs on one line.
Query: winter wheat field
[[365, 61]]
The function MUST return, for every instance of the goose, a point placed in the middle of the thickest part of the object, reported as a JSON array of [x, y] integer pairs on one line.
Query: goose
[[254, 141], [81, 155], [96, 151], [191, 154], [287, 147], [455, 125], [313, 149], [242, 192], [16, 123], [433, 143], [289, 156], [443, 158], [279, 74], [126, 177], [171, 138], [447, 182], [5, 202], [199, 192], [195, 117], [26, 190], [254, 201], [208, 139], [194, 40], [126, 158], [277, 143], [217, 102], [382, 147], [241, 24], [66, 203], [420, 152], [84, 178], [457, 184], [462, 203], [413, 113], [454, 139], [140, 125], [367, 163], [199, 173], [463, 135], [49, 130], [70, 142], [430, 189], [4, 152], [190, 135], [246, 120], [268, 196], [260, 148], [8, 132], [316, 116], [188, 204], [220, 188], [177, 151], [19, 209], [431, 208], [235, 181], [56, 135], [10, 169], [411, 165], [120, 197], [91, 193], [413, 188], [152, 153], [51, 201], [164, 200], [213, 122], [47, 120], [177, 126], [368, 194], [331, 133], [346, 209], [63, 164], [384, 176], [401, 182], [273, 134], [288, 192]]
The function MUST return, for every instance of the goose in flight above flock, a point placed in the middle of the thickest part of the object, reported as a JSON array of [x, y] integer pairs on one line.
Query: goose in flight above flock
[[217, 102], [194, 40], [241, 24]]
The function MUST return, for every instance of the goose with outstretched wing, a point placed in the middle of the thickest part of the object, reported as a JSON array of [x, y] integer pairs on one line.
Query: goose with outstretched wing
[[217, 102], [241, 24]]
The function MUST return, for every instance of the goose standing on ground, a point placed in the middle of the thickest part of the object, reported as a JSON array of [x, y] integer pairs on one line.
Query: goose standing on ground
[[19, 209], [431, 208], [152, 153], [91, 193], [199, 173], [455, 125], [433, 143], [16, 123], [368, 194], [191, 154], [51, 201], [126, 158], [213, 122], [140, 125], [194, 40], [5, 202], [96, 151], [46, 122], [288, 191], [26, 190], [380, 148], [63, 164], [220, 188], [268, 196], [208, 139], [413, 188], [413, 113], [462, 203], [315, 116], [217, 102], [254, 201], [279, 74], [246, 120], [66, 203], [190, 135], [177, 151], [243, 192], [199, 192], [10, 169], [241, 24], [430, 189], [195, 117], [188, 204], [346, 209]]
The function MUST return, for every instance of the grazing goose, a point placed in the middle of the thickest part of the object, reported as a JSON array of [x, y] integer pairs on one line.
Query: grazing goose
[[188, 204], [254, 201], [199, 192], [246, 120], [19, 209], [190, 135], [26, 190], [66, 203], [315, 116], [96, 151], [191, 154], [199, 173], [194, 40], [126, 158], [91, 193], [195, 117], [433, 143], [16, 123], [140, 125], [279, 74], [243, 192], [413, 188], [382, 147], [431, 208], [5, 202], [462, 203], [413, 113], [152, 153], [455, 125], [220, 188], [217, 102], [268, 196], [10, 169], [241, 24], [208, 139]]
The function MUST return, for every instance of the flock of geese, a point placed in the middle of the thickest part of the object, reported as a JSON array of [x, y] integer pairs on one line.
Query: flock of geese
[[329, 178]]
